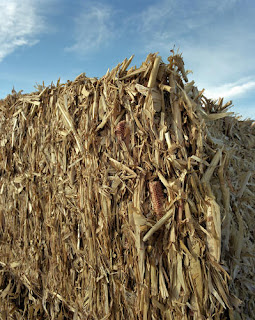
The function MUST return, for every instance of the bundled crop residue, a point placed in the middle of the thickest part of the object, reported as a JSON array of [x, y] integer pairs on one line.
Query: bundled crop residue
[[126, 197]]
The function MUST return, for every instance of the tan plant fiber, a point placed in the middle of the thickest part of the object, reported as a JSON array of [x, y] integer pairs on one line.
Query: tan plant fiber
[[126, 197]]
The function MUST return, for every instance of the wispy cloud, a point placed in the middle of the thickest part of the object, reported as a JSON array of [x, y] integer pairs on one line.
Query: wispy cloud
[[20, 23], [215, 36], [230, 90], [174, 20], [93, 28]]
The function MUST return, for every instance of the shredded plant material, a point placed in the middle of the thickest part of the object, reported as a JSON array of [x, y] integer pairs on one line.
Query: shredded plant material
[[126, 197]]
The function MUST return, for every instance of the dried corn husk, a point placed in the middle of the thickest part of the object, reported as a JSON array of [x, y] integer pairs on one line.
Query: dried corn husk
[[126, 197]]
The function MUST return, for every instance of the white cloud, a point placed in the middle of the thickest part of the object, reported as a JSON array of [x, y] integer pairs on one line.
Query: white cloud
[[19, 25], [93, 28], [230, 90]]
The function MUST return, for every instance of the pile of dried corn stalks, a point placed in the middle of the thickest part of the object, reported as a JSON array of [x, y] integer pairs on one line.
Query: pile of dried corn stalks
[[128, 197]]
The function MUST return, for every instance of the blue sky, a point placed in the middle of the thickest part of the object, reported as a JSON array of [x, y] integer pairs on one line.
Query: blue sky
[[42, 40]]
